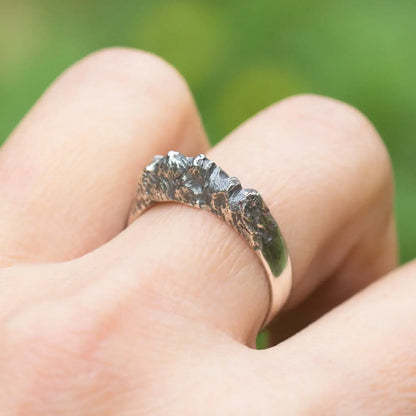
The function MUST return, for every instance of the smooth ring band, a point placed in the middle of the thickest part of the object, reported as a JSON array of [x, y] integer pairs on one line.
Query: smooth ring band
[[200, 183]]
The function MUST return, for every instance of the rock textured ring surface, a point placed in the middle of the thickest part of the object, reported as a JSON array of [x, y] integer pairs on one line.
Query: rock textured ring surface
[[200, 183]]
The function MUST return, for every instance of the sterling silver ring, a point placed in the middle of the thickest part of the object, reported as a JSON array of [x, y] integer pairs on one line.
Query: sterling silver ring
[[200, 183]]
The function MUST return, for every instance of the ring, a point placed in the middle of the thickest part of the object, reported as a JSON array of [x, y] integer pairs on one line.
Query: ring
[[200, 183]]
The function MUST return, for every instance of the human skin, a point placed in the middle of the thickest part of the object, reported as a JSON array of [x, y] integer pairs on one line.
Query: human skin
[[161, 317]]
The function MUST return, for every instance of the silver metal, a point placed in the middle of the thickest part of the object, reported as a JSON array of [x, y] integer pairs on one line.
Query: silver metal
[[200, 183]]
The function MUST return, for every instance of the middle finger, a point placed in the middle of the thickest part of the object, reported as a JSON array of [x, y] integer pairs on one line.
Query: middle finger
[[67, 173]]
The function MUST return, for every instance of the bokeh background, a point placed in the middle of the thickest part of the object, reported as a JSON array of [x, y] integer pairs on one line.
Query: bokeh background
[[238, 57]]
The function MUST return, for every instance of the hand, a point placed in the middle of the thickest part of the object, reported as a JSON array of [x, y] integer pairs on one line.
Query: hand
[[158, 318]]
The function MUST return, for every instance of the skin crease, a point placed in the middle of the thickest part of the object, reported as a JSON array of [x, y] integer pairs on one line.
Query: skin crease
[[160, 318]]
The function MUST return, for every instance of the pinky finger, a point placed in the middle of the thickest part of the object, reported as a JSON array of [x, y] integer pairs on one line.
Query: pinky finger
[[361, 357]]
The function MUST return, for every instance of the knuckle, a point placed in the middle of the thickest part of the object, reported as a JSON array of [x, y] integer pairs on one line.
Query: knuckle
[[348, 122], [132, 70], [345, 132]]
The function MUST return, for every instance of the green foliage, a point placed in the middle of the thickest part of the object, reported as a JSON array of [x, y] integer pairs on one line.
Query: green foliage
[[262, 341], [238, 56]]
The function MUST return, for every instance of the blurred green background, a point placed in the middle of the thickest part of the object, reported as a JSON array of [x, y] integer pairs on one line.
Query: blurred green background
[[238, 57]]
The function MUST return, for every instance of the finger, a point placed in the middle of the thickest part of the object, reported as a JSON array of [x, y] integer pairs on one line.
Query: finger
[[359, 359], [326, 177], [360, 268], [68, 172]]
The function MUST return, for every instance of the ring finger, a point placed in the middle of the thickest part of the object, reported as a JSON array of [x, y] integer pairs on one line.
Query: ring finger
[[326, 177]]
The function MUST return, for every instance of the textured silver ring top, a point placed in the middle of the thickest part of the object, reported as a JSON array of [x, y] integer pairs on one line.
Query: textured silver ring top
[[200, 183]]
